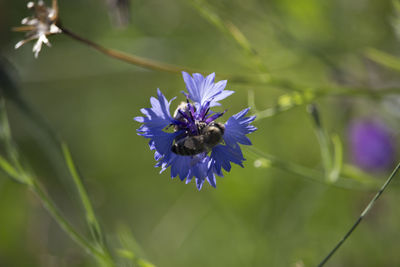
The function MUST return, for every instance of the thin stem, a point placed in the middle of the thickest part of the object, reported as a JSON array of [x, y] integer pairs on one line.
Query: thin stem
[[305, 172], [56, 214], [156, 65], [263, 79], [286, 102], [132, 59], [322, 139], [21, 176], [365, 212], [91, 219], [230, 30]]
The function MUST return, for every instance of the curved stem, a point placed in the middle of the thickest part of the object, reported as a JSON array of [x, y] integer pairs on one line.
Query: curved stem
[[230, 30], [262, 79], [365, 212], [303, 171], [157, 65], [56, 214], [132, 59], [91, 219]]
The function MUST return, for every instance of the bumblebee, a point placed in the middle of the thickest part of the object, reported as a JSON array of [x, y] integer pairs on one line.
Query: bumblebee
[[210, 136]]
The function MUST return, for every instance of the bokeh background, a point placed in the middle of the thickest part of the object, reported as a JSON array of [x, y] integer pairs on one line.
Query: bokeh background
[[256, 216]]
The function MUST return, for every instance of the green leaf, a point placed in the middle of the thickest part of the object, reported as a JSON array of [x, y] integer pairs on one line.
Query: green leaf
[[6, 138], [8, 168], [91, 219], [337, 159], [384, 59], [5, 133], [322, 137]]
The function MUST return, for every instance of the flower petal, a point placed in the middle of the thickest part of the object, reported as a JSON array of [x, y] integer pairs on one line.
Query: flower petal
[[237, 127], [158, 116], [180, 165], [199, 169], [211, 179], [160, 140], [203, 89], [223, 155], [199, 183]]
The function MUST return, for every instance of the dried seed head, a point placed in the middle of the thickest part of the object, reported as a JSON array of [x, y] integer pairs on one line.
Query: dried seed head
[[41, 24]]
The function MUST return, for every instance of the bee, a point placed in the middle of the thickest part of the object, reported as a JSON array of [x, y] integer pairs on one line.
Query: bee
[[184, 107], [210, 136]]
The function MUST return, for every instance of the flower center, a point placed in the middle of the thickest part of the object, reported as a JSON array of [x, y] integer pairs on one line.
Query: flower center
[[197, 131], [193, 121]]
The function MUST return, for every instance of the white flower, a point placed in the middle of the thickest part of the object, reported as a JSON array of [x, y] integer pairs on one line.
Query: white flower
[[42, 23]]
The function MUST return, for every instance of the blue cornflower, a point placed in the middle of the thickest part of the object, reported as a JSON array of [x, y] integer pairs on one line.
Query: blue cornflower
[[183, 141]]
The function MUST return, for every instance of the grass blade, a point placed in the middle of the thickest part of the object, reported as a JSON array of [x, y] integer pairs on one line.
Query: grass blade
[[229, 29], [91, 219], [365, 212]]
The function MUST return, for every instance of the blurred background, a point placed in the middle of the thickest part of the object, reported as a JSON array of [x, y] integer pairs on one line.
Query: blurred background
[[257, 215]]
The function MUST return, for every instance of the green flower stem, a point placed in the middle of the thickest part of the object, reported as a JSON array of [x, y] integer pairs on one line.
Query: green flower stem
[[384, 58], [41, 122], [11, 171], [308, 173], [287, 166], [230, 30], [365, 212], [260, 79], [132, 59], [69, 230], [322, 139], [100, 250], [91, 219], [26, 179]]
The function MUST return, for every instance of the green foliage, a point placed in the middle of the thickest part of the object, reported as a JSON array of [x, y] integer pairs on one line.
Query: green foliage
[[299, 191], [384, 59]]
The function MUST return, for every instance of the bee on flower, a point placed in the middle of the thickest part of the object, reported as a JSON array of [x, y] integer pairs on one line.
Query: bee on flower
[[42, 23], [191, 142]]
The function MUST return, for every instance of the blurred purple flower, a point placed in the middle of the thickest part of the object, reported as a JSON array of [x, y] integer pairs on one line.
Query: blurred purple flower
[[184, 141], [372, 145]]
